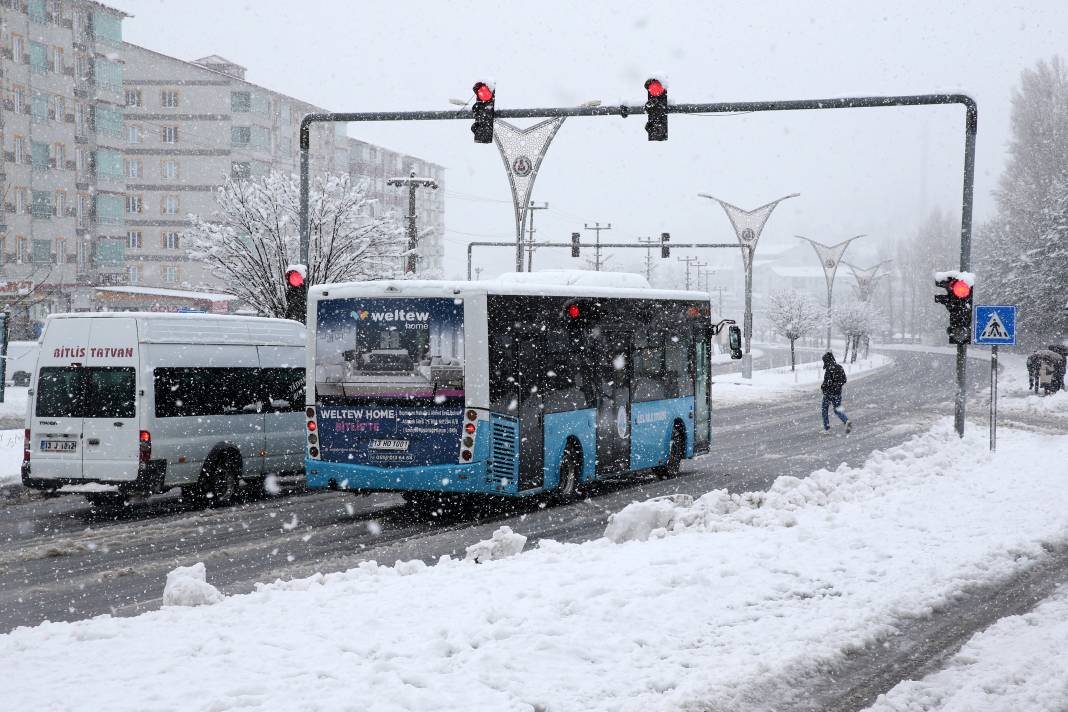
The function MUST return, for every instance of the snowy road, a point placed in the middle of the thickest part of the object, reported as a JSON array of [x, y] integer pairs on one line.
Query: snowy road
[[60, 561]]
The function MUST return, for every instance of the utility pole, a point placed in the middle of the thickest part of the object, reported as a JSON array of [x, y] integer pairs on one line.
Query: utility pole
[[411, 182], [530, 235], [597, 245], [689, 261], [650, 241], [478, 273]]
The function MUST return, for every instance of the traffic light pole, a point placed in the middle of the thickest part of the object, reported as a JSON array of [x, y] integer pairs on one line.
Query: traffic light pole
[[971, 127]]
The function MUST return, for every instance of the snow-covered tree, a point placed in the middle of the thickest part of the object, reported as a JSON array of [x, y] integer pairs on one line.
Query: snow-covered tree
[[254, 236], [793, 315], [856, 321], [1022, 254]]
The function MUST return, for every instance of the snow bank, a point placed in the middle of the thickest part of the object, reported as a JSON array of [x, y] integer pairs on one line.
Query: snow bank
[[1016, 664], [188, 586], [10, 456], [734, 603], [501, 545]]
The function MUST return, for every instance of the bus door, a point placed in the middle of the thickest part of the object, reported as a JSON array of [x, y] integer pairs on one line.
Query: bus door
[[529, 364], [614, 368], [702, 411]]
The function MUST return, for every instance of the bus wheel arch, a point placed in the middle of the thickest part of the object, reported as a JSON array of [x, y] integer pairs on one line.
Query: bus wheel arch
[[571, 466], [676, 451], [220, 477]]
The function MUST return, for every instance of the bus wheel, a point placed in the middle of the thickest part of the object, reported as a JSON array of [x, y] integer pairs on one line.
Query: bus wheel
[[221, 480], [675, 452], [570, 474]]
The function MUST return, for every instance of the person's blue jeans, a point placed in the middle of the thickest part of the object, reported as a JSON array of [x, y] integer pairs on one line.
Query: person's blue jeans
[[836, 402]]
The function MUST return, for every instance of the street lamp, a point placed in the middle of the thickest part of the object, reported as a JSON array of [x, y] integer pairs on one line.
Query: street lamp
[[830, 257], [748, 225]]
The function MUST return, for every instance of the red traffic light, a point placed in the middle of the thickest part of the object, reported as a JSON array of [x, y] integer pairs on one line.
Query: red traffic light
[[573, 311], [483, 92], [294, 278], [655, 87], [960, 289]]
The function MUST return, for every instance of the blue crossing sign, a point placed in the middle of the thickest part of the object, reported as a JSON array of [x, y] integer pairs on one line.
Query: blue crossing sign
[[995, 325]]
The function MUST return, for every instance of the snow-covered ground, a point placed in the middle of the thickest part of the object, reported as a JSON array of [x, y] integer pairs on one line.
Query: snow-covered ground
[[723, 602], [1015, 665], [777, 383], [14, 405]]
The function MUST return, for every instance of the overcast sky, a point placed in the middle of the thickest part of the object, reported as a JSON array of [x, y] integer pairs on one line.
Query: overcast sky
[[867, 171]]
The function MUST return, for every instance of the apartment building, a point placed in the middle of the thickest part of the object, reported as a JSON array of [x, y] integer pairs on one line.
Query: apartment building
[[61, 132]]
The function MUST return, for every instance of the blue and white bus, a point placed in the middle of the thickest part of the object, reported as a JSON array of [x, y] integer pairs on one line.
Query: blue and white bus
[[514, 387]]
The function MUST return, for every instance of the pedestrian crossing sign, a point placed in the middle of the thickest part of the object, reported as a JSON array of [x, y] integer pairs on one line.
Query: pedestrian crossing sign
[[995, 325]]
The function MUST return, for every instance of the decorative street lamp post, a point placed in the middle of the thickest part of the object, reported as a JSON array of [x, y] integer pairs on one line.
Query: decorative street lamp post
[[522, 151], [830, 257], [748, 225]]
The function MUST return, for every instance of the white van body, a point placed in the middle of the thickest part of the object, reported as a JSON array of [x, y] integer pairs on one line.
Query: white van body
[[144, 402]]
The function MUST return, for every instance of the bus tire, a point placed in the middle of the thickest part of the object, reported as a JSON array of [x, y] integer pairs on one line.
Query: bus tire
[[570, 474], [218, 483], [676, 450]]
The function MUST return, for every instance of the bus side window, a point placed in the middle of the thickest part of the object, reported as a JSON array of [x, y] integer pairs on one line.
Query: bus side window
[[677, 366], [651, 382]]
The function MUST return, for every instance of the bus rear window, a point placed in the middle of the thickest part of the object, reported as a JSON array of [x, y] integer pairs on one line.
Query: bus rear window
[[92, 392]]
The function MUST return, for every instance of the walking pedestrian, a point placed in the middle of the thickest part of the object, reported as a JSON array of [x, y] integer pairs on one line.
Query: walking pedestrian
[[834, 378]]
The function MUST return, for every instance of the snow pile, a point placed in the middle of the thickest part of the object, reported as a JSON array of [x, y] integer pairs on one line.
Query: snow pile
[[188, 586], [638, 520], [1016, 664], [10, 456], [745, 601], [501, 545]]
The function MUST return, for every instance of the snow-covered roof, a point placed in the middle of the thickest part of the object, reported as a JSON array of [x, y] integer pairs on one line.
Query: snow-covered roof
[[577, 277], [443, 288], [174, 293]]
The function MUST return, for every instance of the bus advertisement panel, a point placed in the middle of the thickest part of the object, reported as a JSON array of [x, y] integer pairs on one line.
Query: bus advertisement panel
[[389, 378]]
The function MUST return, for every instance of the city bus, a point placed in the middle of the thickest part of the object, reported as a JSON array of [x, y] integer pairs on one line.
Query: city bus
[[535, 383]]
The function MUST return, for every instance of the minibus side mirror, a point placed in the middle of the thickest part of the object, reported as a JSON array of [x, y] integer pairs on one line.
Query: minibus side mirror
[[734, 335]]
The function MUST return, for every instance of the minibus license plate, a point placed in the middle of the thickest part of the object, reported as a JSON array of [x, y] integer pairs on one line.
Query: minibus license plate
[[59, 445], [389, 444]]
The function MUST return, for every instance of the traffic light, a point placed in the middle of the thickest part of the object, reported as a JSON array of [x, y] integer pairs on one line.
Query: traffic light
[[574, 244], [296, 292], [483, 113], [665, 249], [958, 302], [656, 110]]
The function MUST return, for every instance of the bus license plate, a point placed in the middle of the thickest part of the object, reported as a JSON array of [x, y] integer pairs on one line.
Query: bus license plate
[[389, 444], [59, 445]]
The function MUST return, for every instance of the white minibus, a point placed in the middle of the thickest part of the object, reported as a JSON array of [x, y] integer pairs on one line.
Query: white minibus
[[131, 404]]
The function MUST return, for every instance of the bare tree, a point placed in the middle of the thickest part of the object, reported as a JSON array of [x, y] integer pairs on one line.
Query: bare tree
[[254, 236], [856, 321], [793, 315]]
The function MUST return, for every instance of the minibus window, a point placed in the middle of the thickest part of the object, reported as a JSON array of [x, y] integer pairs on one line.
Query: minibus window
[[59, 392], [109, 393]]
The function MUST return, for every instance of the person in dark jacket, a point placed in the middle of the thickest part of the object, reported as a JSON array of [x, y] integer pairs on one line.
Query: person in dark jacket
[[834, 378]]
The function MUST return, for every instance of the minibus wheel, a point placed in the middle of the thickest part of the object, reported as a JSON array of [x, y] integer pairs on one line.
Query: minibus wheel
[[222, 480]]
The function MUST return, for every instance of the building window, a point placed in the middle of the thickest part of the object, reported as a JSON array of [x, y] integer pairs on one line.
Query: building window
[[20, 149], [42, 204], [134, 168], [169, 274], [135, 204], [20, 201], [61, 203], [169, 169], [41, 252], [134, 239], [39, 154], [61, 251], [59, 155], [133, 133], [18, 48], [133, 274], [22, 250], [38, 58], [57, 60], [239, 135], [109, 209], [169, 134], [37, 11], [20, 100], [260, 137], [240, 170], [240, 102], [39, 107], [83, 210], [107, 163], [168, 99], [59, 106], [168, 205], [169, 241], [133, 97]]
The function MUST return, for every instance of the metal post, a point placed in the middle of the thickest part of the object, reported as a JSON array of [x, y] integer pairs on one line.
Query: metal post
[[993, 397], [411, 182], [597, 245], [530, 234], [305, 149], [688, 261], [5, 319], [650, 241], [747, 319], [971, 127]]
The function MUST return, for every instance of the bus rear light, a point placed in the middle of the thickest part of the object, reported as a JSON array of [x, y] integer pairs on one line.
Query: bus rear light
[[310, 412], [313, 439], [145, 452], [466, 455], [314, 452], [311, 425], [469, 428], [26, 446], [472, 415], [469, 441]]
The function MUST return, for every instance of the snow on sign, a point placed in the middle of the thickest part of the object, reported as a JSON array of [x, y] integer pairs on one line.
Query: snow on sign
[[995, 325]]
